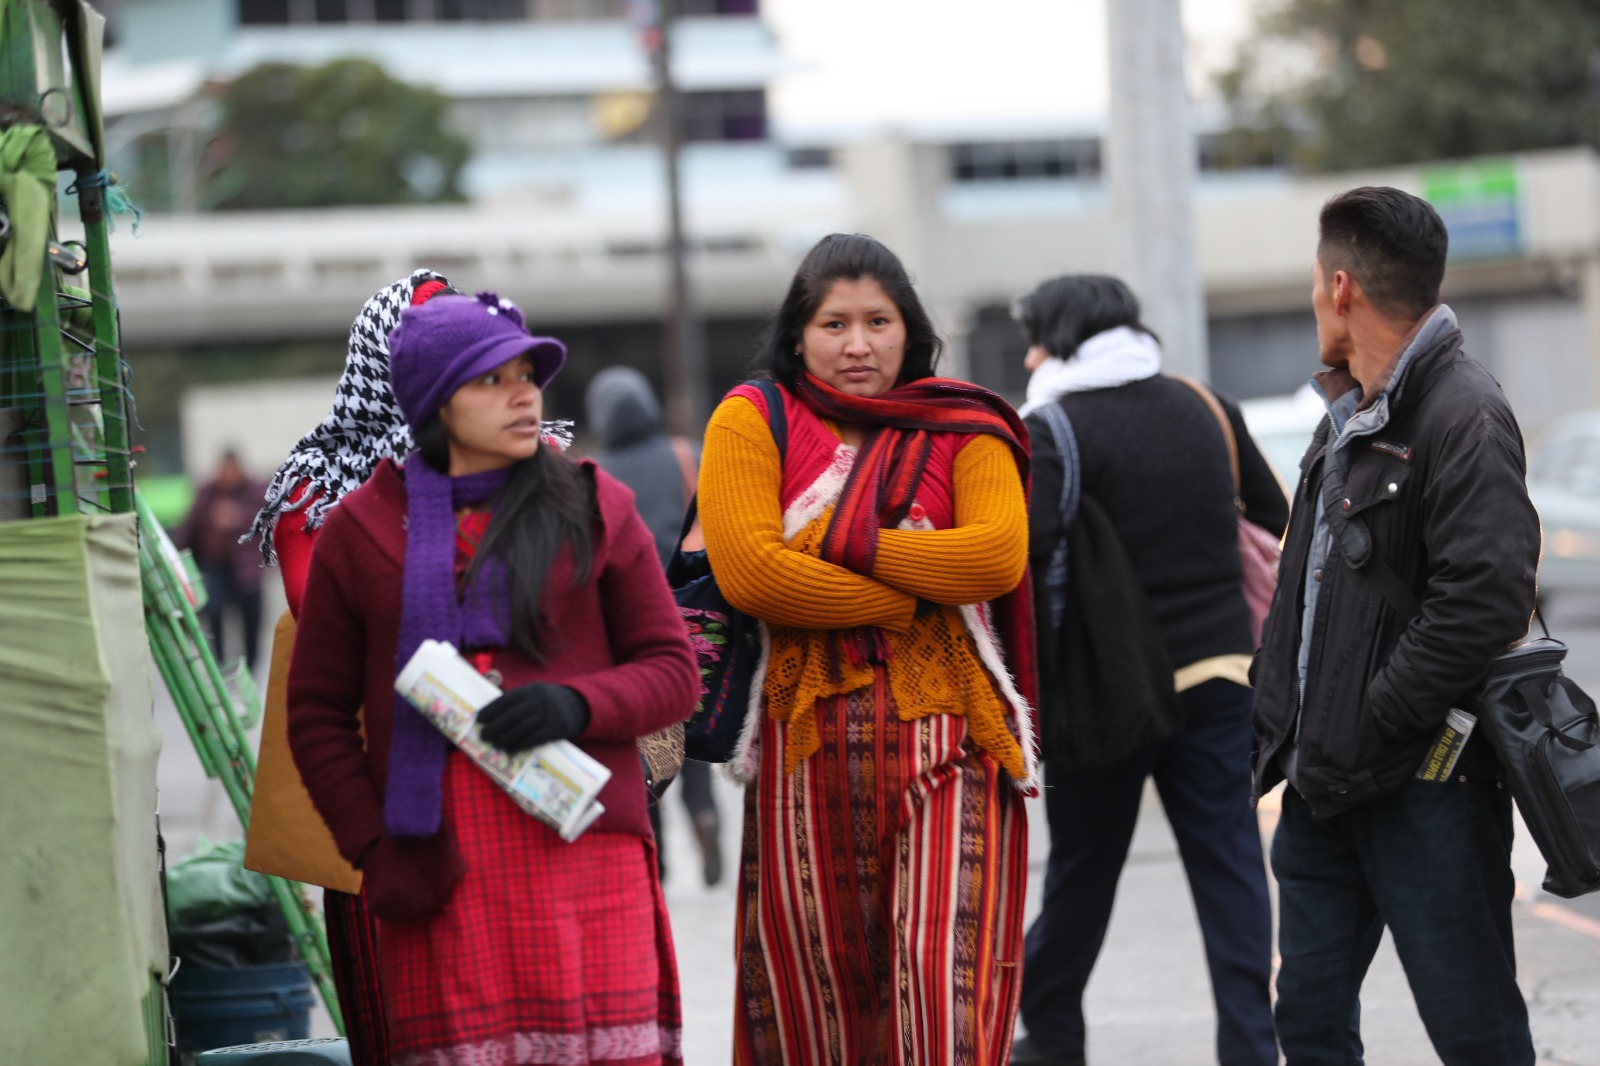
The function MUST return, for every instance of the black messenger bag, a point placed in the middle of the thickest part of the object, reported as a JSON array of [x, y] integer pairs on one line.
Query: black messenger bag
[[1544, 730], [1542, 726]]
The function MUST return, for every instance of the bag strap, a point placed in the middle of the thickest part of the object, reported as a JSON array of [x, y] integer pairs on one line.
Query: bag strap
[[1539, 706], [1223, 421], [777, 421], [688, 469], [1066, 442], [777, 414], [1355, 541]]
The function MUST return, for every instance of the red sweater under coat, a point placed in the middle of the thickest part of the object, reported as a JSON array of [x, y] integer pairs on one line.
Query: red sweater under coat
[[618, 640]]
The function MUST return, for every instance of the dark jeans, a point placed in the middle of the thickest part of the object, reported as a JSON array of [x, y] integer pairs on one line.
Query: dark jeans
[[1203, 776], [222, 592], [1433, 863]]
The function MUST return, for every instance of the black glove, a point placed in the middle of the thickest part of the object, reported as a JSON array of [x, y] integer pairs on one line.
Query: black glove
[[532, 715]]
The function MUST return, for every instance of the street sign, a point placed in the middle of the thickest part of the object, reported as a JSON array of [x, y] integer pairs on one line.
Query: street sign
[[1481, 204]]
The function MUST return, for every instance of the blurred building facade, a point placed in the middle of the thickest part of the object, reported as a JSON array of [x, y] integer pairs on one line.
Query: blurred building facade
[[567, 203]]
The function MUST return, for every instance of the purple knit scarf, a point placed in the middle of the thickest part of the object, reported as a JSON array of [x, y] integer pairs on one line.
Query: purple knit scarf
[[430, 610]]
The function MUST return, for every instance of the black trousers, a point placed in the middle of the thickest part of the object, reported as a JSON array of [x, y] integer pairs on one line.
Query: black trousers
[[222, 594], [1203, 776], [694, 781]]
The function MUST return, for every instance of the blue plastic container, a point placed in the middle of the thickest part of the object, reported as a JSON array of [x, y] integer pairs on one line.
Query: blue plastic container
[[241, 1005]]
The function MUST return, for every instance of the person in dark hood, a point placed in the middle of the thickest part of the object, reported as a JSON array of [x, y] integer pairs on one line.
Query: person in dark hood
[[661, 470]]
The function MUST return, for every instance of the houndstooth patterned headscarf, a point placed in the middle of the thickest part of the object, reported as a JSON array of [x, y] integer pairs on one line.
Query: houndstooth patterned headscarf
[[364, 428]]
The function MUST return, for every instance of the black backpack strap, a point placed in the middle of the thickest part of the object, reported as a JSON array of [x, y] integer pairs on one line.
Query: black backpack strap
[[1402, 599], [1066, 442], [777, 416]]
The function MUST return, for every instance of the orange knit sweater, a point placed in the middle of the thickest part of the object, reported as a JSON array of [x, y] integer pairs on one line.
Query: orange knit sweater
[[934, 668]]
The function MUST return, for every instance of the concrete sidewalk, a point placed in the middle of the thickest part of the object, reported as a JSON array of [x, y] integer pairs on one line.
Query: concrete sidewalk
[[1149, 1001]]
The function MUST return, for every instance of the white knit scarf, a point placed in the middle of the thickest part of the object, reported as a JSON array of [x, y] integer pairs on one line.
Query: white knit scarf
[[1115, 357]]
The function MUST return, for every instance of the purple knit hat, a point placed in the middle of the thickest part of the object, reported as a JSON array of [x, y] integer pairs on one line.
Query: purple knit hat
[[450, 340]]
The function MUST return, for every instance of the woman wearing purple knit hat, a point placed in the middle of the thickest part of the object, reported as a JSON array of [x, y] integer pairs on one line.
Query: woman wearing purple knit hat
[[497, 940]]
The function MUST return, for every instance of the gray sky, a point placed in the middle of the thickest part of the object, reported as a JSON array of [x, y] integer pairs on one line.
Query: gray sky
[[871, 64]]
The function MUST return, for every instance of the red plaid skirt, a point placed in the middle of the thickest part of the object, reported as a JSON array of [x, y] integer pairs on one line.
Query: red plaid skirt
[[548, 952]]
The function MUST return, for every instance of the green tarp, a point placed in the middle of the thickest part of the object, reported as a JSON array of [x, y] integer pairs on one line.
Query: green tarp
[[27, 187], [81, 925]]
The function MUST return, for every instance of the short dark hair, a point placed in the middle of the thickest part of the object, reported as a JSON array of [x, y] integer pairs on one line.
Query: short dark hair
[[1064, 312], [1393, 243], [847, 257]]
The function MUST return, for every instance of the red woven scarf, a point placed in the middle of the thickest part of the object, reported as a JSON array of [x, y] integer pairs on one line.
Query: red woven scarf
[[883, 483]]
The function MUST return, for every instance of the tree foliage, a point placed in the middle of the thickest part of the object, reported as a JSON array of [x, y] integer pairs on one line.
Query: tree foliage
[[341, 134], [1333, 84]]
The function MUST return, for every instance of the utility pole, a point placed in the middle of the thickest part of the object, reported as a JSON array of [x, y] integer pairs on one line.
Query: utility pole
[[1150, 164], [683, 347]]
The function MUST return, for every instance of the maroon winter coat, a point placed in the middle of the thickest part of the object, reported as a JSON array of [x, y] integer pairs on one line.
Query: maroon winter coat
[[618, 640]]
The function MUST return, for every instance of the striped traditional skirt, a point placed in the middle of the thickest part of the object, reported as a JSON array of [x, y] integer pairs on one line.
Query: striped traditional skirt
[[880, 897], [353, 950], [548, 952]]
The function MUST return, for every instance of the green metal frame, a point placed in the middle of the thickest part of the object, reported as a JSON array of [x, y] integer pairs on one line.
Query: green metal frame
[[117, 455], [53, 396], [76, 439], [49, 77], [217, 710]]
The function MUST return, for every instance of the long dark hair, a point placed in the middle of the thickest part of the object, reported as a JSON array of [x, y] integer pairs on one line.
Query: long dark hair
[[1064, 312], [846, 257], [547, 505]]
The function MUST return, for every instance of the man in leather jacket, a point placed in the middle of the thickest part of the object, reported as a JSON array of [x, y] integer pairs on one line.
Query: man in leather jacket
[[1417, 479]]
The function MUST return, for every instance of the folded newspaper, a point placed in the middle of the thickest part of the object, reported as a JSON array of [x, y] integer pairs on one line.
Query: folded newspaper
[[557, 783], [1440, 762]]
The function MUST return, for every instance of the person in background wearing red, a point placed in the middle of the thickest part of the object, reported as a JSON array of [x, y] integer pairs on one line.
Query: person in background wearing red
[[230, 571], [497, 940], [363, 428]]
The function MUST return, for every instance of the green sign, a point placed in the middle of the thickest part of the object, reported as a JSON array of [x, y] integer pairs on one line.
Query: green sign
[[1481, 204]]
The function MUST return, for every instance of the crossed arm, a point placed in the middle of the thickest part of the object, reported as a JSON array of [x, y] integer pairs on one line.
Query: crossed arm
[[981, 557]]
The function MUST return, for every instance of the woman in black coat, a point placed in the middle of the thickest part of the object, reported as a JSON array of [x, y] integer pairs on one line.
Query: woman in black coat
[[1152, 459]]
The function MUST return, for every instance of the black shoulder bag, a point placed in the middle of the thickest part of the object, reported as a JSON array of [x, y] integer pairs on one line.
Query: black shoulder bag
[[727, 642]]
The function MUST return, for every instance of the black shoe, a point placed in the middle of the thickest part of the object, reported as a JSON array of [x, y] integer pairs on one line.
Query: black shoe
[[1025, 1053], [706, 831]]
